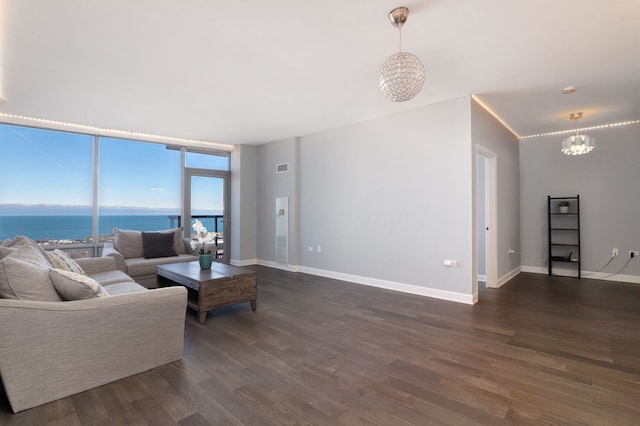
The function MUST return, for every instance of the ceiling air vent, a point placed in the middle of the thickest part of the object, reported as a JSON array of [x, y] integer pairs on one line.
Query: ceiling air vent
[[282, 168]]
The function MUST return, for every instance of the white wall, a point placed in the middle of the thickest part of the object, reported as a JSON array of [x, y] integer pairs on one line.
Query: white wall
[[607, 180], [390, 199], [489, 133], [244, 196], [272, 185], [387, 200]]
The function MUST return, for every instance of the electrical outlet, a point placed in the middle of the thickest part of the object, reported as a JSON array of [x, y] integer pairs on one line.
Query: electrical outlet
[[309, 248], [319, 249], [614, 253], [634, 253]]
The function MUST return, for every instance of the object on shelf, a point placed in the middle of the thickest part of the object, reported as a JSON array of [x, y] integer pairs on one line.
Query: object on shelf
[[563, 207]]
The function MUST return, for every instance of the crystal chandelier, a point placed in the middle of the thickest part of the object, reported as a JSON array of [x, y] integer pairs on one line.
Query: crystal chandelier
[[402, 74], [578, 144]]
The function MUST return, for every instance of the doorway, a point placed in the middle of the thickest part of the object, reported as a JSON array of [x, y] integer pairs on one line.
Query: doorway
[[486, 218], [205, 199]]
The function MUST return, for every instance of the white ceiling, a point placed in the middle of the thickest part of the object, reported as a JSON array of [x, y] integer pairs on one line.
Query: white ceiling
[[255, 71]]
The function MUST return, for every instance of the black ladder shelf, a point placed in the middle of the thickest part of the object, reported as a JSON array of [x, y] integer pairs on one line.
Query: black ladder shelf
[[564, 231]]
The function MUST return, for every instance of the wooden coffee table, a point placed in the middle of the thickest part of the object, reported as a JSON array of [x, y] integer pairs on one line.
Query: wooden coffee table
[[222, 285]]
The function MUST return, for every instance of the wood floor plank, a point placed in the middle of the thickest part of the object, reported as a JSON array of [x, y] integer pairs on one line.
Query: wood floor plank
[[195, 419], [167, 397], [238, 408], [118, 408], [539, 350], [132, 388], [70, 420], [153, 412], [88, 407], [60, 409]]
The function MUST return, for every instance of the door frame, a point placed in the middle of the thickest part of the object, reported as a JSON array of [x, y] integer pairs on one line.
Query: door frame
[[491, 216], [190, 172]]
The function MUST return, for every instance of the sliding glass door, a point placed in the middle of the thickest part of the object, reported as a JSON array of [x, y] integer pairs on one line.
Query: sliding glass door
[[206, 195]]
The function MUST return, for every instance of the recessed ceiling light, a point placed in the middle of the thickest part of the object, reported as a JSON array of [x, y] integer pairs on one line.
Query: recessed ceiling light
[[569, 89]]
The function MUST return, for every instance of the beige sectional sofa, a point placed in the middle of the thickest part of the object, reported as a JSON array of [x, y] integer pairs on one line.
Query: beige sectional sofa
[[52, 347], [128, 251]]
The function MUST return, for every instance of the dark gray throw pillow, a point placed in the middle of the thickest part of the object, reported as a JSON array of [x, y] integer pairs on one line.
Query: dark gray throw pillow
[[158, 244]]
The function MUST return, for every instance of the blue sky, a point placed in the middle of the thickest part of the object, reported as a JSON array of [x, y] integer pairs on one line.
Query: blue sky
[[49, 167]]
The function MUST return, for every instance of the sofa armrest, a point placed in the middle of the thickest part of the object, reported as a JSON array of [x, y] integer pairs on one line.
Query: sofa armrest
[[109, 250], [93, 265], [50, 350]]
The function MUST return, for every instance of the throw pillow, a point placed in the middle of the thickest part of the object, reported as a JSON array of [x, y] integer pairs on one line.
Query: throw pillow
[[25, 279], [177, 242], [74, 286], [158, 244], [6, 251], [61, 260], [25, 248], [128, 243]]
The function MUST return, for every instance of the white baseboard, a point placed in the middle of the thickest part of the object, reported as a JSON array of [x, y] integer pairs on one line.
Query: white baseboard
[[534, 269], [247, 262], [508, 276], [451, 296], [482, 278], [632, 279], [270, 264], [391, 285]]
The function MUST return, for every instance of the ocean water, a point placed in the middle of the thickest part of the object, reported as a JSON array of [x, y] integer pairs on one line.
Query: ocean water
[[80, 227]]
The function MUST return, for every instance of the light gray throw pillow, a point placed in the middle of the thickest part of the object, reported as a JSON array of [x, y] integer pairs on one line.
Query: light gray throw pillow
[[61, 260], [128, 243], [25, 279], [74, 286]]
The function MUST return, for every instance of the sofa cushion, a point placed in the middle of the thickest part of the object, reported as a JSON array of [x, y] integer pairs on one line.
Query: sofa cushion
[[25, 279], [158, 244], [141, 266], [61, 260], [110, 277], [74, 286], [123, 288], [128, 243]]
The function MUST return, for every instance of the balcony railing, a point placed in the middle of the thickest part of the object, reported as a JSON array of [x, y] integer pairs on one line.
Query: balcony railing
[[218, 221], [86, 247]]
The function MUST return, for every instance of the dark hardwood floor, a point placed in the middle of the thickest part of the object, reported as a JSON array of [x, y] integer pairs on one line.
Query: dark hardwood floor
[[539, 350]]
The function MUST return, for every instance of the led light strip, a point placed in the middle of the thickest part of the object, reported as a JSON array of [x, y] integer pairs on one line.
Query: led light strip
[[490, 111], [102, 130], [582, 129], [556, 133]]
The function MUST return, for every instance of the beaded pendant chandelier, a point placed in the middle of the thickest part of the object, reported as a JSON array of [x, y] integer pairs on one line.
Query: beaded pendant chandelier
[[578, 144], [402, 74]]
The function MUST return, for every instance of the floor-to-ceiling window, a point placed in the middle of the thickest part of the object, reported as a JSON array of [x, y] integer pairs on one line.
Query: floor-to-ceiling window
[[70, 190], [46, 186], [139, 186]]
